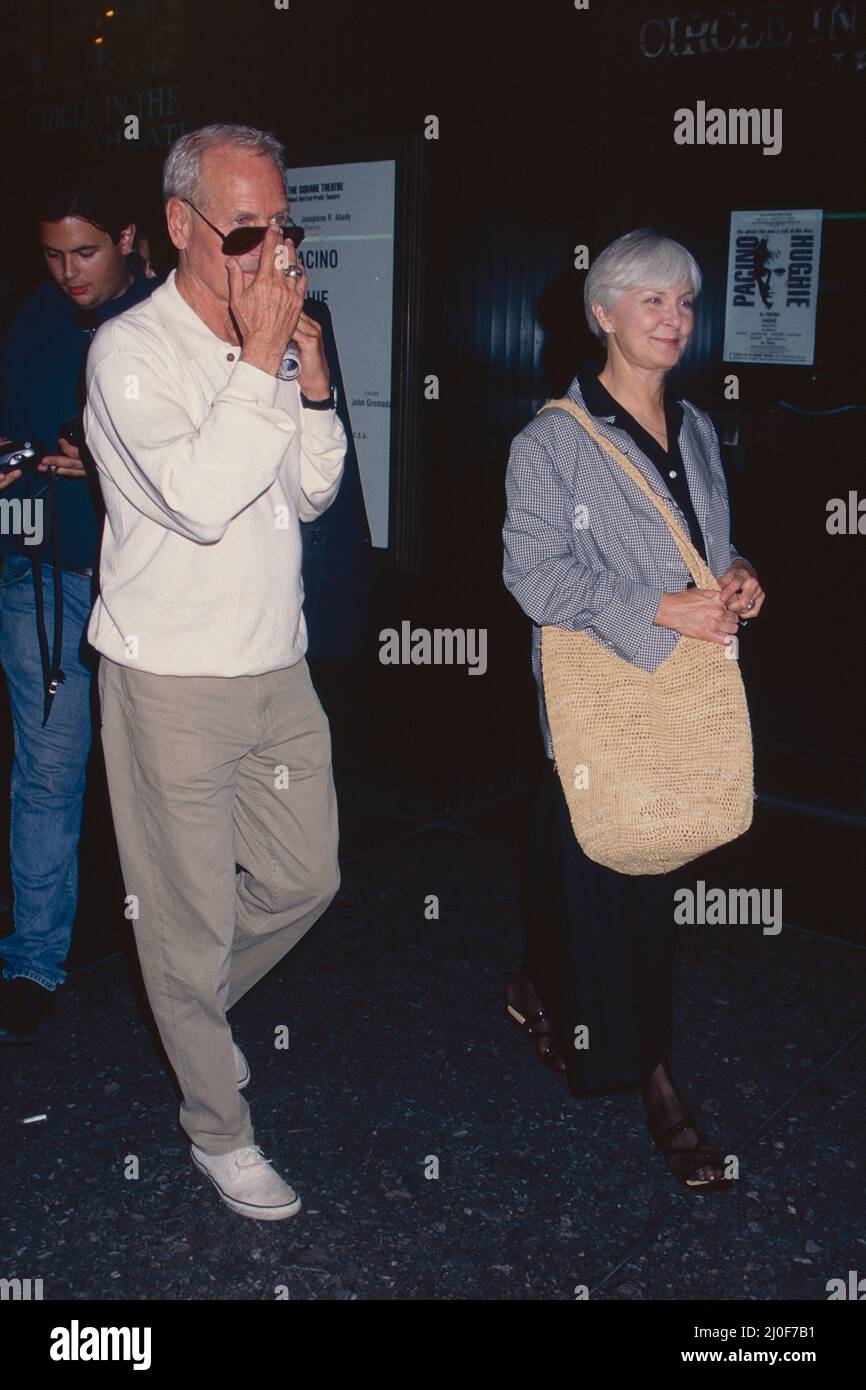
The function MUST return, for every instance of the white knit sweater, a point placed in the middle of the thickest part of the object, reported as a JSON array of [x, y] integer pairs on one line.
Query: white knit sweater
[[206, 465]]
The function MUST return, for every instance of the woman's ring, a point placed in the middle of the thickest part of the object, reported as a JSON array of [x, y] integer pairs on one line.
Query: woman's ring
[[294, 272]]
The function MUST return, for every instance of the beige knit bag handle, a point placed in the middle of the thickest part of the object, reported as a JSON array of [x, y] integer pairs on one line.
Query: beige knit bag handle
[[701, 574]]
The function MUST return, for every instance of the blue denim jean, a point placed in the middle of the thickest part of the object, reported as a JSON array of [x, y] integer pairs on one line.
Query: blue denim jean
[[49, 769]]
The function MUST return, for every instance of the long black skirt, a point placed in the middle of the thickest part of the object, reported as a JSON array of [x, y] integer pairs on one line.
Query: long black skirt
[[599, 952]]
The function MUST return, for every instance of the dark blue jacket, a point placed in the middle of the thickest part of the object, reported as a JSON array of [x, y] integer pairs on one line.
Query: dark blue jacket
[[42, 385]]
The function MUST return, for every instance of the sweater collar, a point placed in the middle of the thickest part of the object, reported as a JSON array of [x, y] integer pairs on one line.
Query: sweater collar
[[196, 339]]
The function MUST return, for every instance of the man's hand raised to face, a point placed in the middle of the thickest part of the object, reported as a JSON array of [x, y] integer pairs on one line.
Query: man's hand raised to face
[[270, 311], [267, 309], [315, 375]]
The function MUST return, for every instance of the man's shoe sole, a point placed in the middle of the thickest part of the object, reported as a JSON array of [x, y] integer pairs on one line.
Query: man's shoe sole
[[246, 1208]]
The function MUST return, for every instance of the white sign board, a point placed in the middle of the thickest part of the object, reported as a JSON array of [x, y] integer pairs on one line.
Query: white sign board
[[347, 212], [772, 295]]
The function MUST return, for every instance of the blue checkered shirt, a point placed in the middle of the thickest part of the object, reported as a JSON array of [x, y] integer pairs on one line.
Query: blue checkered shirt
[[586, 550]]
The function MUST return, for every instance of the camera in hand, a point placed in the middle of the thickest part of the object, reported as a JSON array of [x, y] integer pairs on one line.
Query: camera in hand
[[24, 454]]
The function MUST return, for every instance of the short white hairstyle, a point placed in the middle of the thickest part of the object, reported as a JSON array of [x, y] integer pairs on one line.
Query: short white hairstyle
[[639, 258], [182, 173]]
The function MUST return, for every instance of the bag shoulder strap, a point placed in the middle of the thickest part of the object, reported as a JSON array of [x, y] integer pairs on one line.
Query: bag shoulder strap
[[700, 572]]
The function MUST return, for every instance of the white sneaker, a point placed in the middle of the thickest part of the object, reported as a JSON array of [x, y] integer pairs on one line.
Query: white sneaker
[[242, 1068], [247, 1183]]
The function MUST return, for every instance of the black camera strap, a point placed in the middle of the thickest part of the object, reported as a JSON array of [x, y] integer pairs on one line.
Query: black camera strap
[[52, 674]]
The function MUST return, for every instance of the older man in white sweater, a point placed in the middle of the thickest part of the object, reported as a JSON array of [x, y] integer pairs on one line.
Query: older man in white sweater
[[217, 749]]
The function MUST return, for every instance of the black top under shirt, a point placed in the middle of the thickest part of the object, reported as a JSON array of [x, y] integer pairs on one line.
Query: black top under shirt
[[600, 402]]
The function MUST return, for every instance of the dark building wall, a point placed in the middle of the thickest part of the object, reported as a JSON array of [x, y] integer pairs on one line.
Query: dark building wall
[[556, 129]]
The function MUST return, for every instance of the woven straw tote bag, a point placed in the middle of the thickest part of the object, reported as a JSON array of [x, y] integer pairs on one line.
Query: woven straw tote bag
[[656, 766]]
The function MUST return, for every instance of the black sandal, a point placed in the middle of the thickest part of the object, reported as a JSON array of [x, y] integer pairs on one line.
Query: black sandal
[[531, 1026], [688, 1160]]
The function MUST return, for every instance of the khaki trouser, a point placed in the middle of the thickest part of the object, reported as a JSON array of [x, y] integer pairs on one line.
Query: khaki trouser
[[226, 821]]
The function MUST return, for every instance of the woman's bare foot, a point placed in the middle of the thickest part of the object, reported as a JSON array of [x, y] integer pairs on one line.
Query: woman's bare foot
[[686, 1152], [524, 1004]]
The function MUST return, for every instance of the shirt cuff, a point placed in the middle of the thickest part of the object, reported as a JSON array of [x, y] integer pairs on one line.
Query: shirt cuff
[[627, 620], [251, 381], [321, 425]]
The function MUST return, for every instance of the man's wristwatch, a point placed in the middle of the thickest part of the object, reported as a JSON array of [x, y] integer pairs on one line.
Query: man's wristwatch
[[328, 402]]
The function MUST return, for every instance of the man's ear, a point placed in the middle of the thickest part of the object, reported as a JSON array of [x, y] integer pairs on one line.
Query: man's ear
[[127, 239], [177, 219]]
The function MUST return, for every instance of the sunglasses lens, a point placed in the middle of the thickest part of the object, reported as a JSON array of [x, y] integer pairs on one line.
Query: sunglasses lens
[[242, 240]]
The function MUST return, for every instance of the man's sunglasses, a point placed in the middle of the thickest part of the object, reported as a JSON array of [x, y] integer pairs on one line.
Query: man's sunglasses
[[243, 239]]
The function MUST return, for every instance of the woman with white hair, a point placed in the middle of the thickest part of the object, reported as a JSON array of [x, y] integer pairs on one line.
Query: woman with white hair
[[586, 550]]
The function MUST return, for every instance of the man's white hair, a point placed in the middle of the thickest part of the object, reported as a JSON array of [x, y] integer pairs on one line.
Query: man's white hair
[[182, 174], [639, 258]]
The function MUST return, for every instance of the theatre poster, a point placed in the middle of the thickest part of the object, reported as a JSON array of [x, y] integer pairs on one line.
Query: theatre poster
[[772, 291], [347, 212]]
